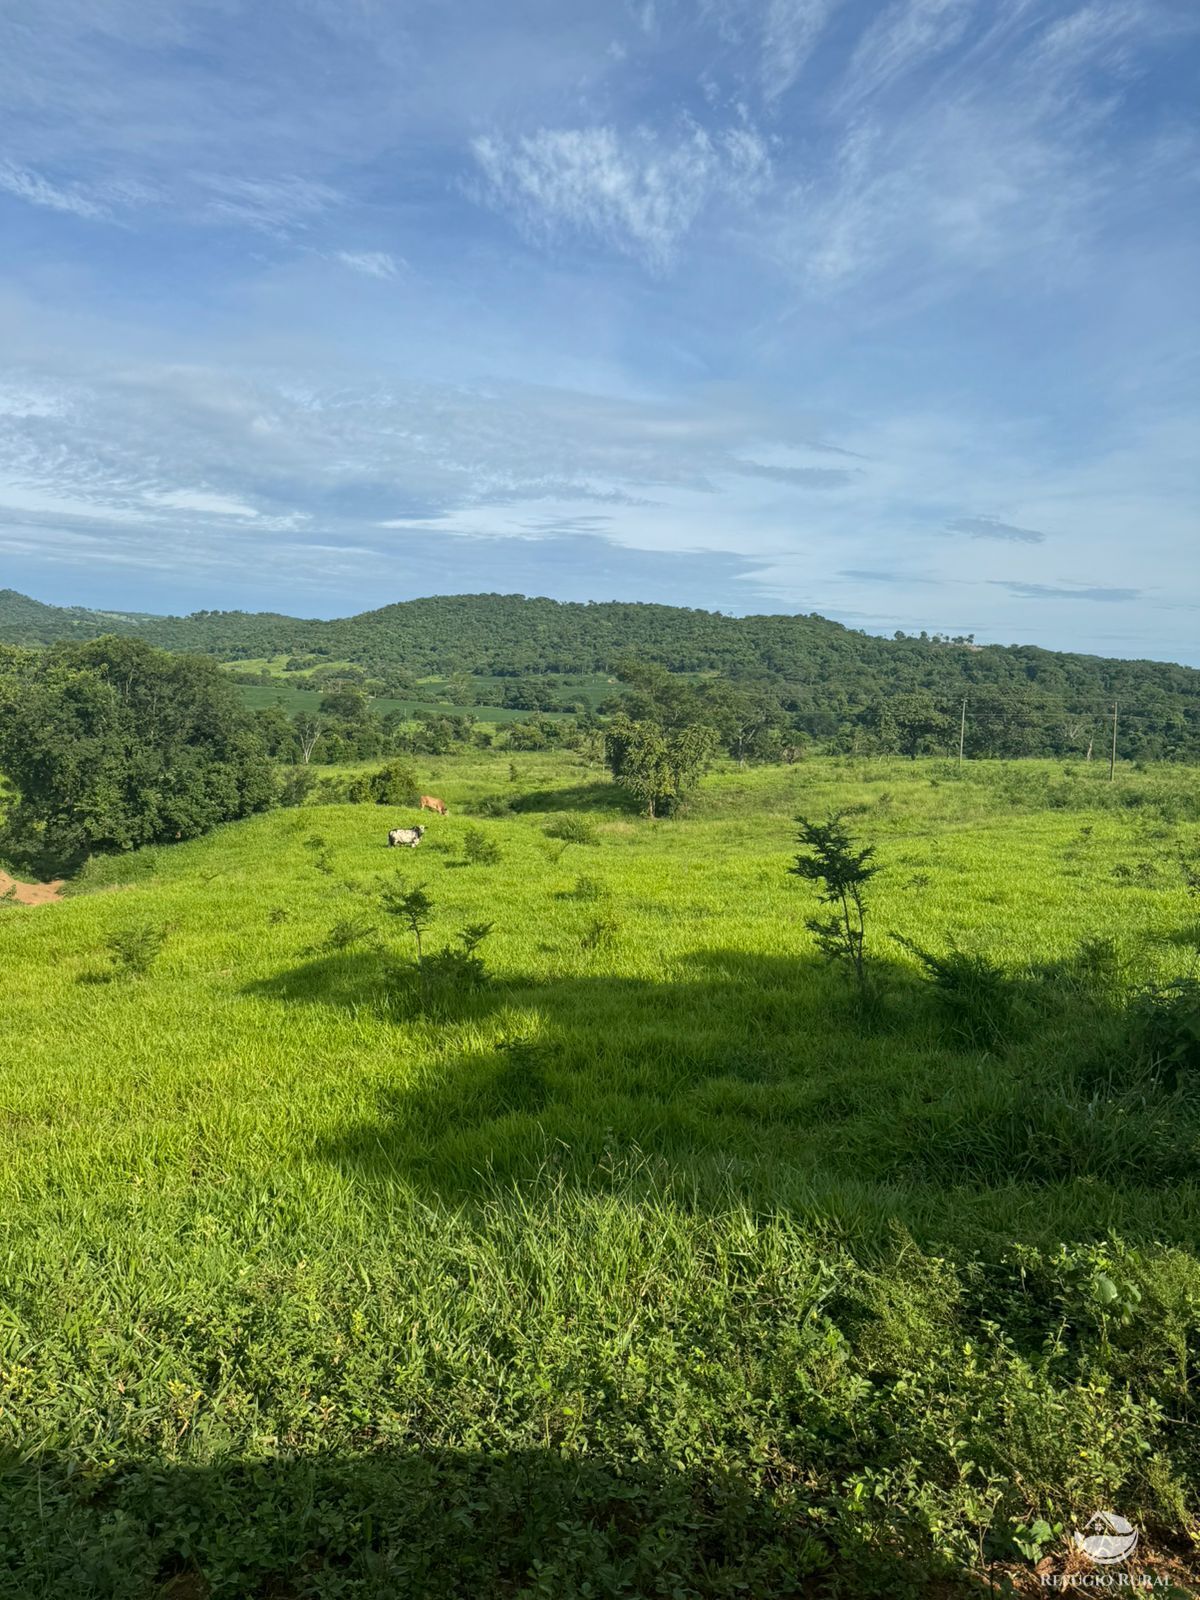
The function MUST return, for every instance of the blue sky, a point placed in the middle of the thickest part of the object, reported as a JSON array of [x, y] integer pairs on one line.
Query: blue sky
[[886, 311]]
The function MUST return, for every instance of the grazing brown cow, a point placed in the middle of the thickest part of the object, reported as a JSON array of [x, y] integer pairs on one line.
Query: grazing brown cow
[[430, 802]]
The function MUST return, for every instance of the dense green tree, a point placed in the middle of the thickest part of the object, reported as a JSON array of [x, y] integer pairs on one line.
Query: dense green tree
[[344, 704], [392, 785], [435, 734], [532, 733], [922, 728], [113, 744], [279, 734], [750, 720], [658, 766]]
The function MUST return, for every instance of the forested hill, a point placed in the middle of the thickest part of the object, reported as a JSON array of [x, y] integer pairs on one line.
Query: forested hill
[[512, 636]]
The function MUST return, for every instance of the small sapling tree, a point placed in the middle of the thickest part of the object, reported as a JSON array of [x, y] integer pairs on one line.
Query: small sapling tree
[[480, 849], [134, 950], [415, 910], [830, 858], [458, 967], [443, 976]]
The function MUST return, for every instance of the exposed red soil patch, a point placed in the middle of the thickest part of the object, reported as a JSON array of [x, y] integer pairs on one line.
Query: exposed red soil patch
[[30, 894]]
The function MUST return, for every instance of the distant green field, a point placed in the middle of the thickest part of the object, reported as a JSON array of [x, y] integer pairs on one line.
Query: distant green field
[[275, 666], [287, 690], [654, 1267], [259, 696], [590, 688]]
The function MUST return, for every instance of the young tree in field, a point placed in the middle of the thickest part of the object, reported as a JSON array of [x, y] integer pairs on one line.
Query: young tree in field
[[829, 858], [415, 910], [112, 745], [655, 766]]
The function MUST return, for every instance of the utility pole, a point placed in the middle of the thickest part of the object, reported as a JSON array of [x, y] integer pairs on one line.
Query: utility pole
[[962, 730], [1112, 760]]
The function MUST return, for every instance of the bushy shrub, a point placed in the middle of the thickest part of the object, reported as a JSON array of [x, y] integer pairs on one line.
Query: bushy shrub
[[458, 968], [573, 829], [135, 949], [1164, 1032], [493, 805], [520, 1084], [345, 932], [392, 785], [480, 849], [975, 994], [601, 932], [318, 847], [587, 888], [1094, 971], [295, 786]]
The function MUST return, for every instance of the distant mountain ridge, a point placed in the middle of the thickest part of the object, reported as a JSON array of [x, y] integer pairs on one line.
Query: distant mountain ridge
[[822, 662], [27, 621]]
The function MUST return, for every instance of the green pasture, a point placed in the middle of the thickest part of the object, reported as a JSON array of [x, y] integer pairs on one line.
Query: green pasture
[[654, 1267], [259, 696], [290, 691]]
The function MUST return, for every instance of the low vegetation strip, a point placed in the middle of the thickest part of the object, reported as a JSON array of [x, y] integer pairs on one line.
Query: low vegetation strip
[[539, 1211]]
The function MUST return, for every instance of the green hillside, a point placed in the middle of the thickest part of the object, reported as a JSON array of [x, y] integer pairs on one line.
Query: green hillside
[[28, 622], [833, 682]]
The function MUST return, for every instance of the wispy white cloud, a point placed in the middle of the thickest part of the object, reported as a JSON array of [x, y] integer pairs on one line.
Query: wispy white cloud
[[371, 263], [780, 36], [909, 34], [1002, 158], [639, 192], [795, 477], [272, 204], [39, 191], [216, 505], [790, 31]]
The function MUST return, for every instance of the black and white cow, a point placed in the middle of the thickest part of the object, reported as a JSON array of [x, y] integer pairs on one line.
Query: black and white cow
[[409, 836]]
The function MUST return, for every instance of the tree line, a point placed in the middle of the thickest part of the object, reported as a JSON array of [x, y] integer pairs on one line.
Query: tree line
[[112, 744]]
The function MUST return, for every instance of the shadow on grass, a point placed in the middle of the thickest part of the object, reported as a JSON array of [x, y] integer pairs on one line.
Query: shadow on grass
[[442, 1524], [761, 1072], [598, 796]]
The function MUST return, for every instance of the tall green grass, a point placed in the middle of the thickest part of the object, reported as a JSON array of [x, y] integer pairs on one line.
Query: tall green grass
[[650, 1268]]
